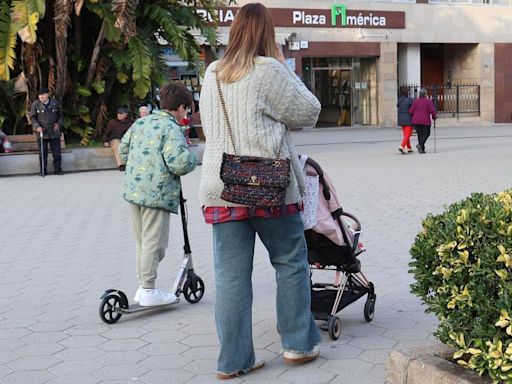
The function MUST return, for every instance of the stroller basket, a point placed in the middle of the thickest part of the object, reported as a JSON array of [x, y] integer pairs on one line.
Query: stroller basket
[[323, 300]]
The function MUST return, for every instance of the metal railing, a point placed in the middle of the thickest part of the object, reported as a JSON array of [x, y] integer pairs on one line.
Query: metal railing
[[454, 99]]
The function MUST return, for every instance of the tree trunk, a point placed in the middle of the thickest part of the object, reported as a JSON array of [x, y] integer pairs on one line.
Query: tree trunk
[[77, 44], [95, 55], [62, 11]]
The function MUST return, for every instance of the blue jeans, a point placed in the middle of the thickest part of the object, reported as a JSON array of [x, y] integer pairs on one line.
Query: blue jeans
[[233, 244]]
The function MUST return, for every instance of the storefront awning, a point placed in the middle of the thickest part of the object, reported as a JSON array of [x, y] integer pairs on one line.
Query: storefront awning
[[223, 38]]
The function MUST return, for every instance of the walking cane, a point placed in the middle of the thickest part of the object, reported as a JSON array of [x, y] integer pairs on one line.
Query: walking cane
[[41, 153], [435, 145]]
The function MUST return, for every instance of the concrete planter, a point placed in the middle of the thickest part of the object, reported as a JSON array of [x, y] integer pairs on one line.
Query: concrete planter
[[429, 366], [73, 160]]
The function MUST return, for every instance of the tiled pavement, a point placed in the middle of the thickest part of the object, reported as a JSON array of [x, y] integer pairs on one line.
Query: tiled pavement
[[64, 240]]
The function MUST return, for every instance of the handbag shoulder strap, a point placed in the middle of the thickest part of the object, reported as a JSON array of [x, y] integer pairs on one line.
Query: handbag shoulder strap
[[228, 125], [226, 119]]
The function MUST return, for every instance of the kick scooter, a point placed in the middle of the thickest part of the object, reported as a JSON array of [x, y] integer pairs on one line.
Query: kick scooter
[[114, 302]]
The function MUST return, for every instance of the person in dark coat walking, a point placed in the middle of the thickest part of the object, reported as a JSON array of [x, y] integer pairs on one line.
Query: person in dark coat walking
[[423, 112], [405, 120], [47, 117]]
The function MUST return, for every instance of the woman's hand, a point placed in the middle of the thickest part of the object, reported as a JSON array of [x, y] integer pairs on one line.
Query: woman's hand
[[280, 55]]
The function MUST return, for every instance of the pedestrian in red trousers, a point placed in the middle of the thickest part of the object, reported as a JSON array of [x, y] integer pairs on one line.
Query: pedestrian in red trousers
[[404, 120]]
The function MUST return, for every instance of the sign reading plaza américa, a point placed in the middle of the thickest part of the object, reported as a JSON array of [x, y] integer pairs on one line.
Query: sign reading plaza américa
[[339, 16]]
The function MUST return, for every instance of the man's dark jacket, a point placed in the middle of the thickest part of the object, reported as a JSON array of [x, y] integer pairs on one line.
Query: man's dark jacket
[[116, 129], [45, 116]]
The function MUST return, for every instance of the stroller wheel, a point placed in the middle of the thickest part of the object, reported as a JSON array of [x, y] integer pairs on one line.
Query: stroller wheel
[[334, 327], [193, 289], [369, 308], [108, 309]]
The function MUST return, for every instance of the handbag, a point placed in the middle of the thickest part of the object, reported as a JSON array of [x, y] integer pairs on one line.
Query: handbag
[[252, 180]]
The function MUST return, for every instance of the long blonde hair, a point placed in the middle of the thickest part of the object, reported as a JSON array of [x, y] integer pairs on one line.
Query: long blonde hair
[[252, 33]]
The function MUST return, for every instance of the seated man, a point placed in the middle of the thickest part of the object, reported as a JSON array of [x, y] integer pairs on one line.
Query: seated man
[[116, 128]]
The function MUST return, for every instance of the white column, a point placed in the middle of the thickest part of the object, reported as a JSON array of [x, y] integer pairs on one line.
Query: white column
[[409, 64]]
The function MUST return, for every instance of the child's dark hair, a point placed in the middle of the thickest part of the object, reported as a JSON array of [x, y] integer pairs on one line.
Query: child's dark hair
[[172, 95]]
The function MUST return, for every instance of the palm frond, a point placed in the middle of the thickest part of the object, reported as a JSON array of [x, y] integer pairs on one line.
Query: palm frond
[[142, 63], [26, 13], [124, 11], [8, 31]]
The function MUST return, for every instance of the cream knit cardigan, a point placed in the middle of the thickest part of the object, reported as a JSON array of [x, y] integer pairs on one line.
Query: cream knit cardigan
[[259, 107]]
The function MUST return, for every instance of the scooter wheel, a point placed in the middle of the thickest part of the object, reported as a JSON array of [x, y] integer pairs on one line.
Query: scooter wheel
[[107, 309], [334, 327], [193, 289]]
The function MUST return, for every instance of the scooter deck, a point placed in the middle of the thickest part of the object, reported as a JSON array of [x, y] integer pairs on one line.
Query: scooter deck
[[134, 308]]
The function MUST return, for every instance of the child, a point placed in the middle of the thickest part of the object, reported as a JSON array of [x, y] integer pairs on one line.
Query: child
[[156, 155]]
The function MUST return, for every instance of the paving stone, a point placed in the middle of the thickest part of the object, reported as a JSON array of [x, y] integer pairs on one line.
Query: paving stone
[[406, 334], [376, 356], [340, 351], [164, 336], [204, 366], [305, 374], [75, 380], [120, 372], [84, 341], [13, 333], [39, 349], [48, 326], [44, 337], [86, 353], [25, 377], [124, 333], [123, 345], [202, 352], [122, 357], [165, 362], [201, 340], [75, 368], [33, 363], [156, 349], [4, 371], [177, 376], [6, 356], [351, 370], [375, 342]]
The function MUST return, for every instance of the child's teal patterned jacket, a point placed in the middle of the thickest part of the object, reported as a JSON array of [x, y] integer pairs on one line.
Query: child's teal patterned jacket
[[156, 154]]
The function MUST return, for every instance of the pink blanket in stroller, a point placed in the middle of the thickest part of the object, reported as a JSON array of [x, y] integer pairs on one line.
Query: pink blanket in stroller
[[326, 224]]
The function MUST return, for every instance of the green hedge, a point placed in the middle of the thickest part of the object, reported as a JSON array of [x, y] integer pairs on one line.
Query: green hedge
[[462, 264]]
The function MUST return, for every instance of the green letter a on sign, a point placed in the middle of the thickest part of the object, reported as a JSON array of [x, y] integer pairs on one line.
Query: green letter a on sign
[[341, 10]]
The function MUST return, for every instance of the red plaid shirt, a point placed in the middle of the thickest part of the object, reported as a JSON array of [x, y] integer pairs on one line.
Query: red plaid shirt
[[216, 215]]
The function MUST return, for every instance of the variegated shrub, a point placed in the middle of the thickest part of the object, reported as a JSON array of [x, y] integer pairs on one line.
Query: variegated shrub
[[462, 264]]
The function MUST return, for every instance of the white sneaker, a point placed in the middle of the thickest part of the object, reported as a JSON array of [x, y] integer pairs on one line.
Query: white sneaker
[[293, 357], [136, 298], [150, 297]]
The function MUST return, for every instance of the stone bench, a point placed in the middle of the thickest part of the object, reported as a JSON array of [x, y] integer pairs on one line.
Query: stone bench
[[26, 144]]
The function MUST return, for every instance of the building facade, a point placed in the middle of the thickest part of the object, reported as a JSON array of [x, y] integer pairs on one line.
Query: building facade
[[355, 55]]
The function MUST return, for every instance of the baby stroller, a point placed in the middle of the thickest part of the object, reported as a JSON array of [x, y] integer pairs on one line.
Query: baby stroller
[[333, 245]]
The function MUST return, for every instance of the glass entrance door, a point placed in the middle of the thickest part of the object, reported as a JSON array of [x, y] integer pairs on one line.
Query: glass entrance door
[[333, 87]]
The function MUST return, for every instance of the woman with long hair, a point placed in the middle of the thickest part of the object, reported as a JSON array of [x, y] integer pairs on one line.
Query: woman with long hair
[[423, 112], [262, 96]]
